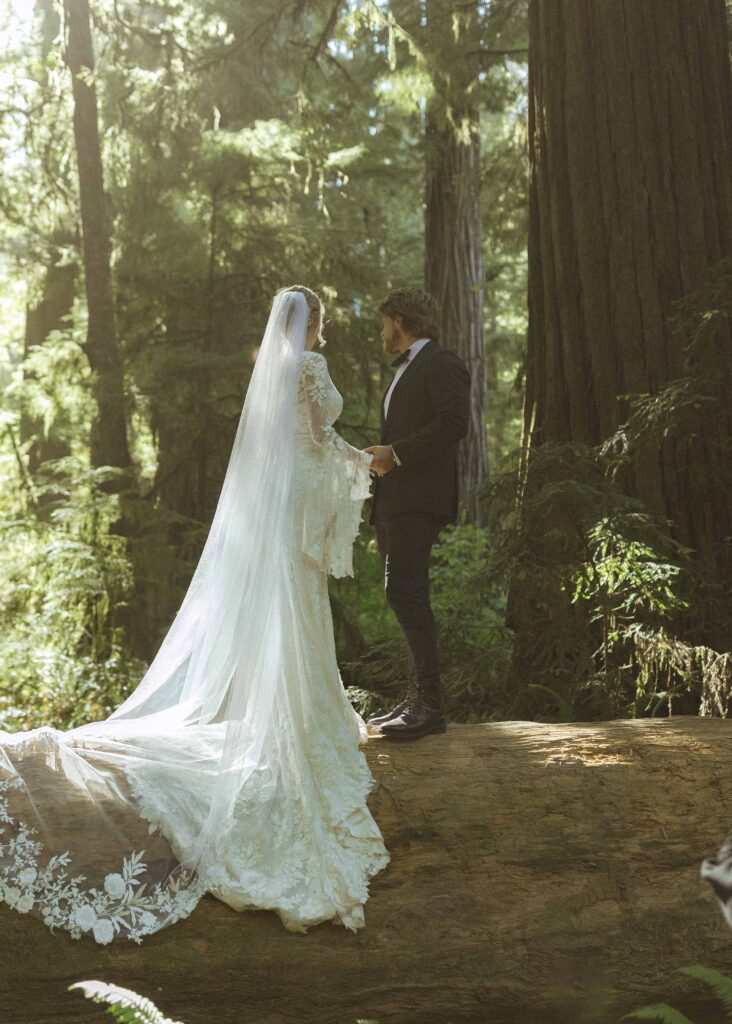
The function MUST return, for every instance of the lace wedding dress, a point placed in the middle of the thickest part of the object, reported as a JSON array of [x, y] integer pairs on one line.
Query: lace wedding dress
[[234, 768]]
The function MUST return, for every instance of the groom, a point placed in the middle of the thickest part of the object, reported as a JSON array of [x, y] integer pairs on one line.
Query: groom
[[424, 414]]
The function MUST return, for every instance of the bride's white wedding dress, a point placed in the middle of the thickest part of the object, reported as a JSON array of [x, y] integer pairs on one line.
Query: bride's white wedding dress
[[234, 768]]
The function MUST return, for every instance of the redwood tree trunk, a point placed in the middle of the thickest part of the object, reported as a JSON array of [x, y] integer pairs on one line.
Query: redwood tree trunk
[[630, 126], [454, 270], [109, 433]]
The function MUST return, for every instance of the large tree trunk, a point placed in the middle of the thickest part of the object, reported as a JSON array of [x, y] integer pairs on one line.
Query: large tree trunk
[[185, 480], [540, 873], [109, 433], [630, 125], [52, 311], [454, 270]]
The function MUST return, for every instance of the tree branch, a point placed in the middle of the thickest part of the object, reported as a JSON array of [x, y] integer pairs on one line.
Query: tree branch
[[490, 55], [329, 57]]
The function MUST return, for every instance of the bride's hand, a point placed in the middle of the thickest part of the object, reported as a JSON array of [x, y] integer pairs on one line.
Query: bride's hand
[[383, 461]]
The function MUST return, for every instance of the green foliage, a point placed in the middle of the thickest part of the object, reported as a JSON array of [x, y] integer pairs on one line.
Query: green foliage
[[720, 983], [624, 575], [65, 581], [128, 1007], [598, 567], [125, 1006], [474, 644], [624, 610], [668, 667], [225, 181], [621, 581], [54, 388], [660, 1011]]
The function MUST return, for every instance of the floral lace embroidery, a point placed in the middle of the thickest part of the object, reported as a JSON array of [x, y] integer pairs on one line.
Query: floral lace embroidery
[[302, 841], [321, 401], [288, 818], [333, 479], [124, 904]]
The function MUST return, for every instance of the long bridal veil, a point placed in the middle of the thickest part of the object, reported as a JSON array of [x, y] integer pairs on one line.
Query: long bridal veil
[[116, 828]]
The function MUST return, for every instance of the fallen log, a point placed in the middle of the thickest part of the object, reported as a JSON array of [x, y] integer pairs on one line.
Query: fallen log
[[540, 873]]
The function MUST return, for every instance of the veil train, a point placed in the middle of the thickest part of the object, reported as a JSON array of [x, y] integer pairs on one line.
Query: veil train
[[117, 828]]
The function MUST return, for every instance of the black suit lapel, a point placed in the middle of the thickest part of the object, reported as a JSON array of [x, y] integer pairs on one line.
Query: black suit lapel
[[423, 354]]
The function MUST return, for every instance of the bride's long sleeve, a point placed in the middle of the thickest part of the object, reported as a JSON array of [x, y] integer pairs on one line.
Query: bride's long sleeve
[[333, 507], [319, 394]]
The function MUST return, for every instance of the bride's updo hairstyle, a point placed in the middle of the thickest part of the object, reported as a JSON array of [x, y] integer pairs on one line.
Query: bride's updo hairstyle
[[315, 306]]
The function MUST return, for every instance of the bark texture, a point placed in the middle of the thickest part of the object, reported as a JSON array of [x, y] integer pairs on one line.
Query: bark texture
[[109, 433], [541, 873], [454, 268], [630, 126]]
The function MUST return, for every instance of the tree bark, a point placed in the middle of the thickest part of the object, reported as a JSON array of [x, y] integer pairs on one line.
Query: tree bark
[[59, 282], [109, 432], [454, 266], [630, 127], [540, 873]]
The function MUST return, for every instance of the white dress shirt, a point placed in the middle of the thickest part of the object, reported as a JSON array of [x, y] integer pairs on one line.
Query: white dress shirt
[[414, 348]]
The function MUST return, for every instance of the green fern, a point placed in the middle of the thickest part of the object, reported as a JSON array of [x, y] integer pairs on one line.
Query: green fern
[[721, 984], [659, 1011], [125, 1006]]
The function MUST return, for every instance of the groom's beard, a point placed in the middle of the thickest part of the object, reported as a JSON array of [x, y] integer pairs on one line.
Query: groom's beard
[[392, 342]]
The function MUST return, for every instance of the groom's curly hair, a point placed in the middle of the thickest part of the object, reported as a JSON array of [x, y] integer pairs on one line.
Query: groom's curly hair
[[419, 311]]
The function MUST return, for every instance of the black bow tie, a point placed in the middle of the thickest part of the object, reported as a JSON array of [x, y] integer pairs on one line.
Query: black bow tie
[[403, 358]]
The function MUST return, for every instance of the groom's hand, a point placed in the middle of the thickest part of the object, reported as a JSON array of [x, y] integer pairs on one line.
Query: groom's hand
[[383, 460]]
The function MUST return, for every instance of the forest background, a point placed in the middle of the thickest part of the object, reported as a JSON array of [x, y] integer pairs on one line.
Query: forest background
[[155, 195]]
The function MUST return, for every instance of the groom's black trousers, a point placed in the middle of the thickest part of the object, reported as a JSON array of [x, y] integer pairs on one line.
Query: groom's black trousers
[[405, 542]]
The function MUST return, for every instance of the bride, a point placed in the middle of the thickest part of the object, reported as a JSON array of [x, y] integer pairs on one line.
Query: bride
[[234, 766]]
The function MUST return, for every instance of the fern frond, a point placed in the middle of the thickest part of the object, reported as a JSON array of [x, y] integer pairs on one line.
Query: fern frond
[[721, 983], [125, 1006], [659, 1011]]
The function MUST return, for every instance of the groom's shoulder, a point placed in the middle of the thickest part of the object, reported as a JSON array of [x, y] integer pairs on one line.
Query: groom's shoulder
[[442, 357]]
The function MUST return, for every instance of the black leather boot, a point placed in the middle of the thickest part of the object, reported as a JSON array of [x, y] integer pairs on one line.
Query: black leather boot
[[408, 694], [417, 719]]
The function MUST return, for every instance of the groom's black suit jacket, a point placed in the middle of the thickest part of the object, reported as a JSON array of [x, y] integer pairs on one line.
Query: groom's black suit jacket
[[428, 415]]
